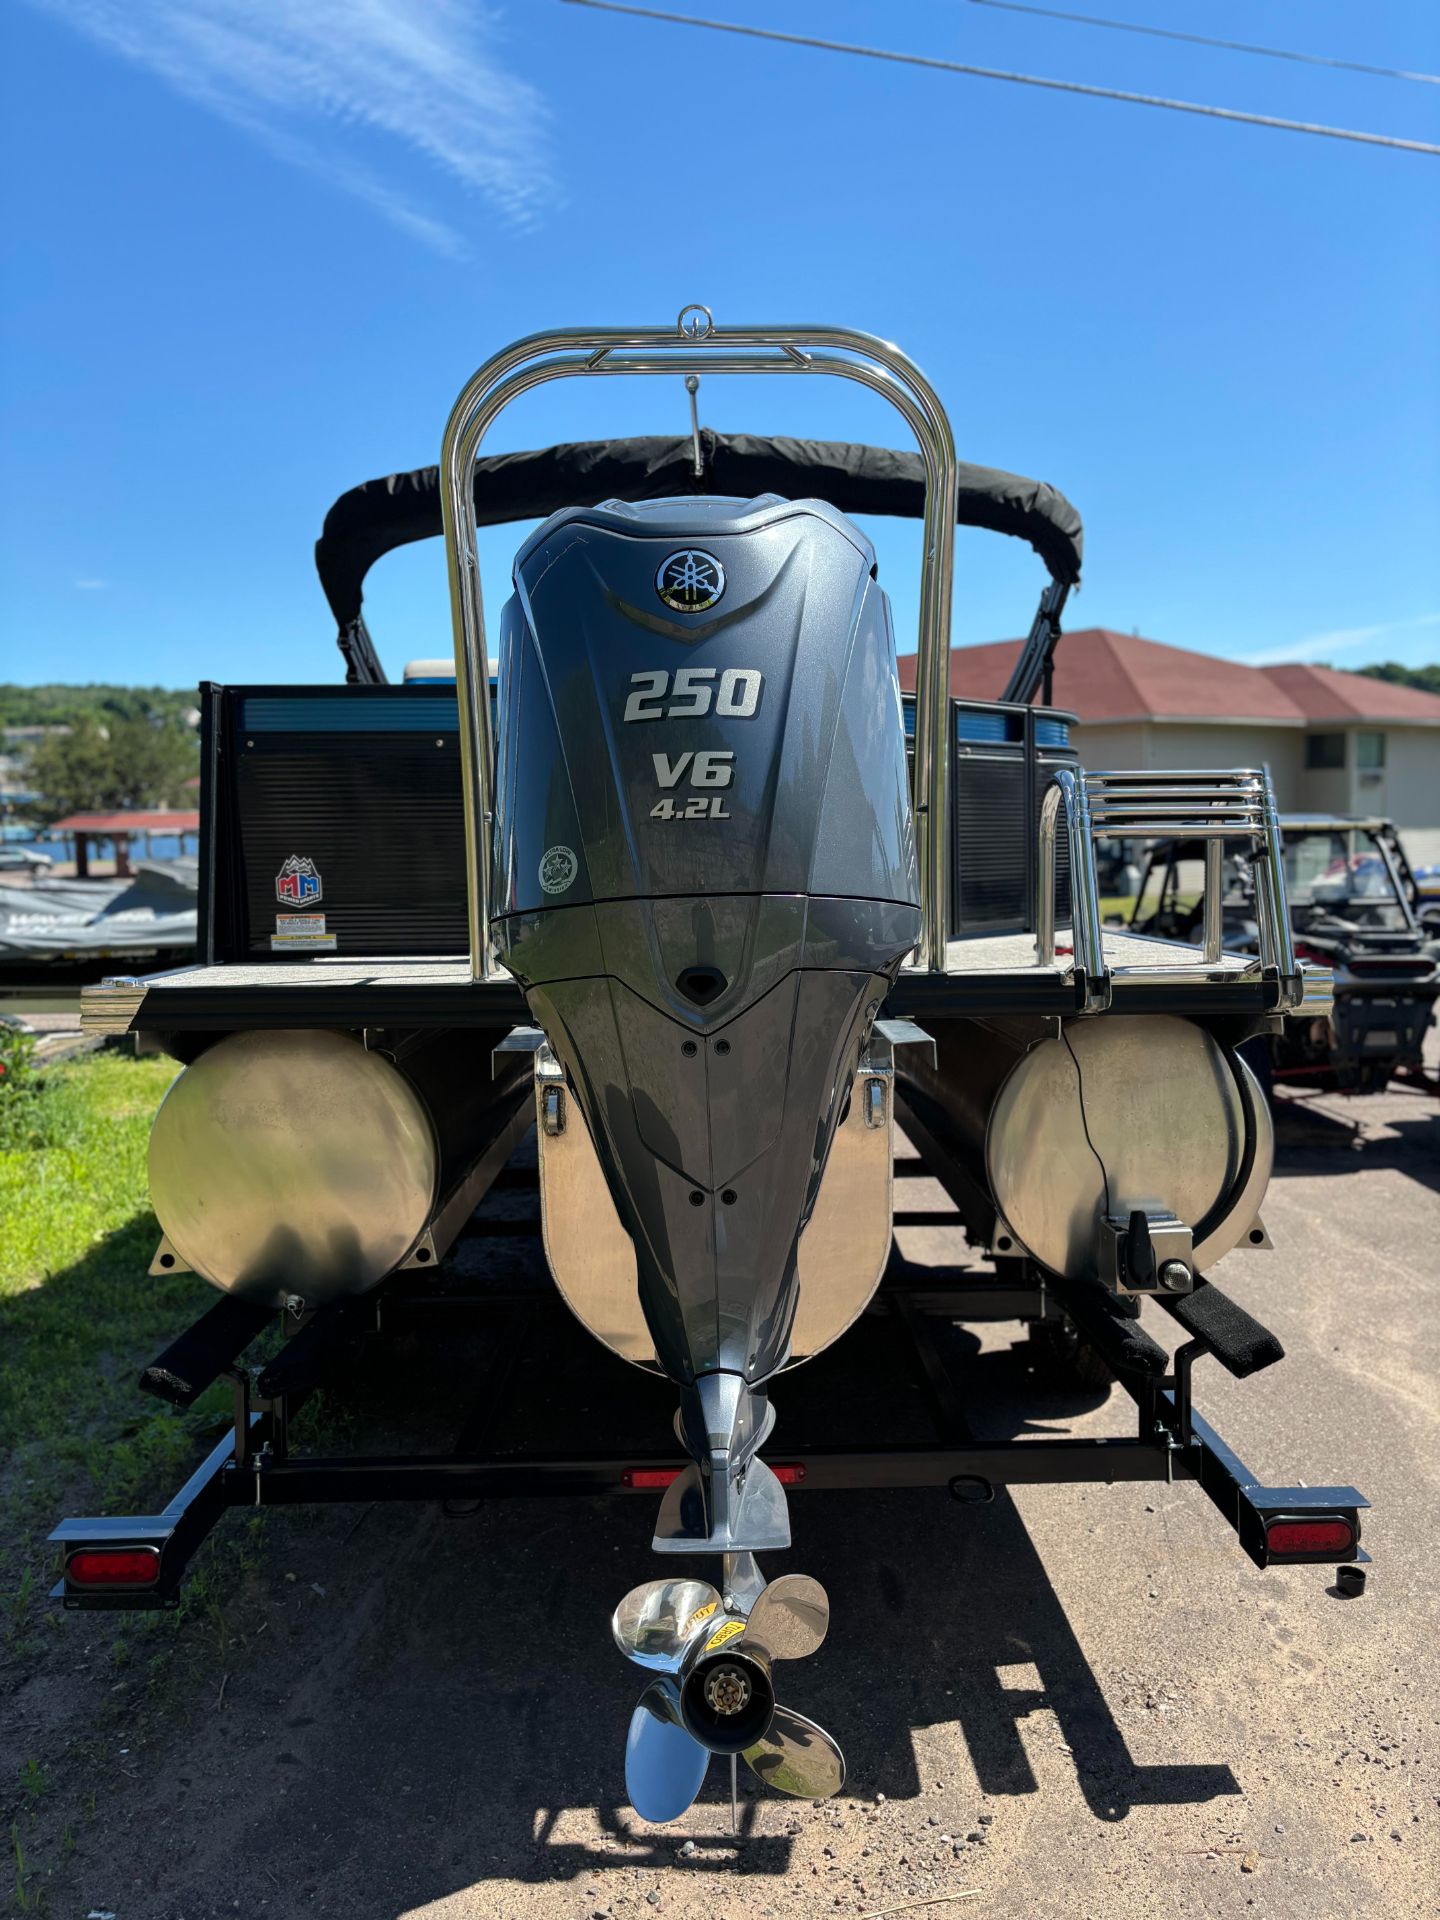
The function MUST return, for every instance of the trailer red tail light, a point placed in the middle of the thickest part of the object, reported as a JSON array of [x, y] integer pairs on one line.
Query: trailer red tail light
[[639, 1478], [113, 1567], [1330, 1537]]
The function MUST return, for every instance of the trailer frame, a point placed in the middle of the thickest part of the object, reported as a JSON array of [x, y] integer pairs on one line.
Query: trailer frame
[[254, 1466]]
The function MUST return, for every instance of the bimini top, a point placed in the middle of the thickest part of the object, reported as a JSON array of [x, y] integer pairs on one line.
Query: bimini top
[[372, 519]]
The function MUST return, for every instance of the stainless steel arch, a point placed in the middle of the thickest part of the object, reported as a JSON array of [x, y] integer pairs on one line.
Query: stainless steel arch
[[702, 347]]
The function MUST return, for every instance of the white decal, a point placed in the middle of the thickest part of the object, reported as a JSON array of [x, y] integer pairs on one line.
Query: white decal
[[697, 807], [301, 933], [690, 684], [666, 774], [649, 686], [736, 698], [558, 869], [739, 693], [711, 767]]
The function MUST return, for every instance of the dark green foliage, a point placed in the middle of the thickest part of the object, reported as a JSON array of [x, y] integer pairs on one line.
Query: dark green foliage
[[1427, 679], [19, 1106], [107, 766], [55, 706]]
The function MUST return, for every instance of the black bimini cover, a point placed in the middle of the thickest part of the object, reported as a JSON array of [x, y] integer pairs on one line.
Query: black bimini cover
[[372, 519]]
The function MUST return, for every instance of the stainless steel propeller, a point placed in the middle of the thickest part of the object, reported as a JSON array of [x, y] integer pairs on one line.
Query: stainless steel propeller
[[715, 1691]]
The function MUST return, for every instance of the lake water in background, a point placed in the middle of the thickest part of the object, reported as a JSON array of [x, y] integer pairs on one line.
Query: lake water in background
[[163, 846]]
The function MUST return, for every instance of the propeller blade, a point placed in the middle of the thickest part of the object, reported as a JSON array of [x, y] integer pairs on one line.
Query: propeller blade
[[664, 1767], [798, 1757], [790, 1617], [653, 1623]]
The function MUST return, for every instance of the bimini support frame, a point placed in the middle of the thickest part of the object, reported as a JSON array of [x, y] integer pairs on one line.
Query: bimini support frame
[[696, 345]]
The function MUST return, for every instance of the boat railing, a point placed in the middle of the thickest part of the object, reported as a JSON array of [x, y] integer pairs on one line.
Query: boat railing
[[1211, 806], [695, 344]]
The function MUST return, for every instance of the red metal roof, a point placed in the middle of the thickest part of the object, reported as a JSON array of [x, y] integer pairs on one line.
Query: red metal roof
[[1324, 693], [1102, 675], [161, 821]]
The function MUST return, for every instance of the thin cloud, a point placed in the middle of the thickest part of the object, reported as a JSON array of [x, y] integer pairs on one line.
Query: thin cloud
[[1320, 646], [91, 586], [302, 78]]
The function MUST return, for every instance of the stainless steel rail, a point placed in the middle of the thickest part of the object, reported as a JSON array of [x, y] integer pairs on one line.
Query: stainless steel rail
[[696, 345], [1084, 888], [1209, 806]]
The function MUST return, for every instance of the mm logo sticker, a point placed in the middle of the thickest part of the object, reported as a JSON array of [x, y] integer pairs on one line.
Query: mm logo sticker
[[723, 1635], [298, 882]]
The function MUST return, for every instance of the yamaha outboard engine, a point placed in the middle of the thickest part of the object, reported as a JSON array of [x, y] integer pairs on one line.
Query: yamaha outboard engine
[[704, 879]]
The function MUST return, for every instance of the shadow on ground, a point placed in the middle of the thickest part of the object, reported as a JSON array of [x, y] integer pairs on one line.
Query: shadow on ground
[[1313, 1139], [412, 1704]]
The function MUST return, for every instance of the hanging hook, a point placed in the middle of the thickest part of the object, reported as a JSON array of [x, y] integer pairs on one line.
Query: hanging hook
[[692, 387]]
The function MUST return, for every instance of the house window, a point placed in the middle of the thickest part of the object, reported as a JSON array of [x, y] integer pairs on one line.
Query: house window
[[1324, 752], [1369, 752]]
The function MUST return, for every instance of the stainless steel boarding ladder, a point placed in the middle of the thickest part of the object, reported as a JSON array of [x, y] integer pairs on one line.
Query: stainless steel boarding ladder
[[1214, 807]]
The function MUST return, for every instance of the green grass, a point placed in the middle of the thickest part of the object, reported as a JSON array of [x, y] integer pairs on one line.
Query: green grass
[[81, 1174], [79, 1314]]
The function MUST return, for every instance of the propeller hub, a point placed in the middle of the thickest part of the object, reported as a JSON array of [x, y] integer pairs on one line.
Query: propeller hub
[[727, 1700], [727, 1690]]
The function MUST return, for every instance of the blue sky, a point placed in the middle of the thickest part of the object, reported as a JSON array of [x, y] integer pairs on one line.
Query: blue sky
[[252, 249]]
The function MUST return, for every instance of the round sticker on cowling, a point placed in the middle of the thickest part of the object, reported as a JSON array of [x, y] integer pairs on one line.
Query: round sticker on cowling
[[558, 869]]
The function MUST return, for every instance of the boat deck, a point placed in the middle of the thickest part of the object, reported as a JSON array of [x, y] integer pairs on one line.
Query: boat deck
[[994, 973]]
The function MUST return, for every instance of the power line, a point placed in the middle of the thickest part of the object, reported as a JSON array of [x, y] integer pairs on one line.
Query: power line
[[1020, 79], [1203, 40]]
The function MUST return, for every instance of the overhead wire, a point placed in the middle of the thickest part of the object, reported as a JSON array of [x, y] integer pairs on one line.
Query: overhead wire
[[937, 64], [1205, 40]]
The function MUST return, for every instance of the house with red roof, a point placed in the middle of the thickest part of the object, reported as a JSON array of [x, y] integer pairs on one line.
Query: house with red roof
[[1334, 742]]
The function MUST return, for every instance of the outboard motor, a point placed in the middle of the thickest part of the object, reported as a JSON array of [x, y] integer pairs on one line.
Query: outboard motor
[[705, 879]]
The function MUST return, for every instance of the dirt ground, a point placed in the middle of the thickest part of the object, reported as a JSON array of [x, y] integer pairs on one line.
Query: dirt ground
[[1070, 1703]]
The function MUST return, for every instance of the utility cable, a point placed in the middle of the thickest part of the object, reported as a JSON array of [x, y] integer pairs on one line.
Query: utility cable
[[1204, 40], [1021, 79]]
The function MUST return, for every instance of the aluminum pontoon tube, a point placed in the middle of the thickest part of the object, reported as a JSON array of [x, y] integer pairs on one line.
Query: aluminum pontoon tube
[[300, 1163], [1146, 1111]]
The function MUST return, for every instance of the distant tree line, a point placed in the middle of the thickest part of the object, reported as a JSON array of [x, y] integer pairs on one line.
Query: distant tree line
[[60, 706], [126, 747], [1427, 679]]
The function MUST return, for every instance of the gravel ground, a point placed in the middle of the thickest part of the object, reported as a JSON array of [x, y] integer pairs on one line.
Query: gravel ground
[[1070, 1703]]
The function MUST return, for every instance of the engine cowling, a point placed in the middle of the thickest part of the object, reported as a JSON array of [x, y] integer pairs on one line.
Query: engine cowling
[[704, 879]]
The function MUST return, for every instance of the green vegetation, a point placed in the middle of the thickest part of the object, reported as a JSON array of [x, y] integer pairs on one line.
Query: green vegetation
[[107, 766], [1427, 679], [59, 706], [78, 1314], [125, 747]]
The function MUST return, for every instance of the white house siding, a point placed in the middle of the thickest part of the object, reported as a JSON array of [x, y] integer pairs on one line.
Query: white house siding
[[1217, 744], [1101, 746], [1412, 778], [1406, 789], [1330, 789]]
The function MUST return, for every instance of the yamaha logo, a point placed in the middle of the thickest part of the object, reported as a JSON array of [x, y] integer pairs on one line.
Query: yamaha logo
[[690, 581]]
